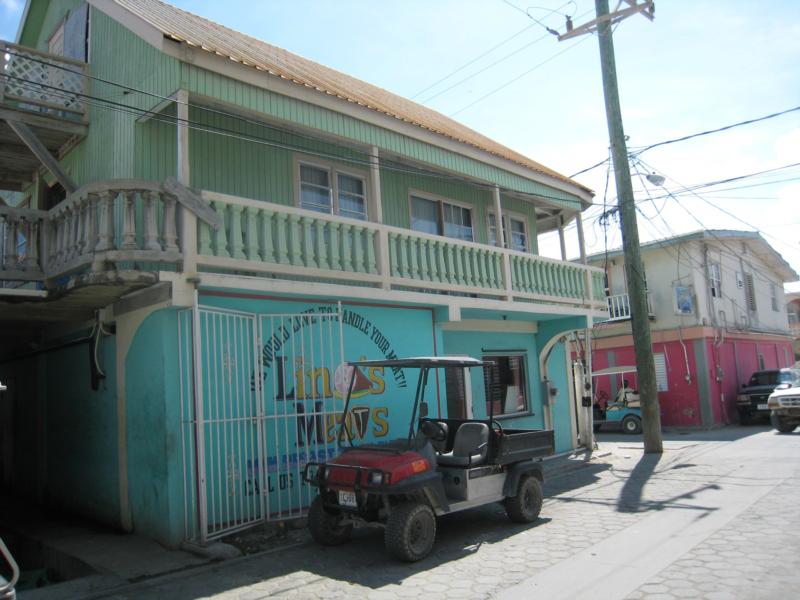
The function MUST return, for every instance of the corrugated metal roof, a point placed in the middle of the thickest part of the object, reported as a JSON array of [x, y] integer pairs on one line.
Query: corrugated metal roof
[[209, 36]]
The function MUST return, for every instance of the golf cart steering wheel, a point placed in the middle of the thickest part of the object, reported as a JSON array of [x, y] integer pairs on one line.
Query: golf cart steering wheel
[[434, 431], [497, 423]]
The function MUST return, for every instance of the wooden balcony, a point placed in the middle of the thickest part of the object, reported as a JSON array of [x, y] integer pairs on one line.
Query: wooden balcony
[[45, 93], [128, 229]]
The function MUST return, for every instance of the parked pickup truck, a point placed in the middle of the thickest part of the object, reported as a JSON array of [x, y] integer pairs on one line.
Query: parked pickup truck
[[784, 408], [752, 400]]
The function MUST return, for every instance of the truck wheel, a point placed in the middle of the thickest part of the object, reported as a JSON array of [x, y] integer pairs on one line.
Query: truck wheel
[[632, 424], [527, 504], [410, 531], [325, 527], [781, 425]]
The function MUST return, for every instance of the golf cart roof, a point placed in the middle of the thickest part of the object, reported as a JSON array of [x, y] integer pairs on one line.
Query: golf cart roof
[[614, 370], [422, 361]]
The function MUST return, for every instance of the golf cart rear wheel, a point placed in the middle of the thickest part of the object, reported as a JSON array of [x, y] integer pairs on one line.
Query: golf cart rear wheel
[[631, 424], [325, 527], [410, 531], [527, 504]]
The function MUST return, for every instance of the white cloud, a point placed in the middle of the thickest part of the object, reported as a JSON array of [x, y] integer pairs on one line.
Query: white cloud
[[11, 5]]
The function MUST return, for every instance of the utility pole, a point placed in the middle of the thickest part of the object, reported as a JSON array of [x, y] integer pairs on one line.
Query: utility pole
[[637, 290]]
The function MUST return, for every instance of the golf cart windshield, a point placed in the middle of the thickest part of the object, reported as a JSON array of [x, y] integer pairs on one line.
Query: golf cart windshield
[[424, 364]]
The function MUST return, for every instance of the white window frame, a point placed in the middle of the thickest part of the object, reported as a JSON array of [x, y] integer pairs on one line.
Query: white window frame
[[440, 201], [333, 171], [715, 280], [773, 296], [507, 216]]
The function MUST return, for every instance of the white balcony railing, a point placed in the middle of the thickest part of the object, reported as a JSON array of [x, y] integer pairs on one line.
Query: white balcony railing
[[34, 81], [132, 224], [619, 307]]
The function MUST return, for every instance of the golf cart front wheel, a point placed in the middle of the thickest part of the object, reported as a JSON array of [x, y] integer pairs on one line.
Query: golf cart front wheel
[[410, 531], [325, 527], [631, 424], [527, 504]]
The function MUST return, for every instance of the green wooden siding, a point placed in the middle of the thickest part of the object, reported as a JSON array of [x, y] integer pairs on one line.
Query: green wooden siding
[[118, 146], [296, 111], [53, 16]]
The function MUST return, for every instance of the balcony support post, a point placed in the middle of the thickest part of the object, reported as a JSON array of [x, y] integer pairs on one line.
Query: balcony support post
[[41, 152], [382, 239], [561, 239], [188, 221], [587, 276], [502, 242]]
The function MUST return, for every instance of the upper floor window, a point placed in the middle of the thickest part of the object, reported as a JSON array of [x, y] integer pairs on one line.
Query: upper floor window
[[327, 190], [516, 234], [773, 296], [440, 217], [715, 280]]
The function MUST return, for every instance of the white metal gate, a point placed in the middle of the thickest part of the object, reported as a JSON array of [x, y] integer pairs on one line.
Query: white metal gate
[[261, 395]]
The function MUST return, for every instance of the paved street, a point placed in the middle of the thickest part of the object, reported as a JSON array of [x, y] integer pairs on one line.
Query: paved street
[[715, 517]]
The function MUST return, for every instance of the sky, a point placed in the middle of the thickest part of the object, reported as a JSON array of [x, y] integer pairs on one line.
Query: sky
[[699, 65]]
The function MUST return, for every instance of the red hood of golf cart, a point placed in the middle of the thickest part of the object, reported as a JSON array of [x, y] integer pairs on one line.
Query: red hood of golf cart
[[397, 466]]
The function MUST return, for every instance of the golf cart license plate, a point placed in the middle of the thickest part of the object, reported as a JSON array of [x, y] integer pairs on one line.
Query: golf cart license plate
[[762, 407], [347, 498]]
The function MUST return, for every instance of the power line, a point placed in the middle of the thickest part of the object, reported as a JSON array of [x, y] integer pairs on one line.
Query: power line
[[719, 129], [473, 61], [484, 69], [694, 135], [389, 165], [518, 77]]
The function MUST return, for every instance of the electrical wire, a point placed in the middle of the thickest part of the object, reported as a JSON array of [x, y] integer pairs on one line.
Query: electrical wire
[[473, 61], [694, 135], [151, 114], [520, 76], [719, 129]]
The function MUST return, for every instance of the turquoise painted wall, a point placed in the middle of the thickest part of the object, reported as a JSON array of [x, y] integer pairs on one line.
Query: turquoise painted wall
[[471, 344], [563, 420], [65, 433], [152, 400]]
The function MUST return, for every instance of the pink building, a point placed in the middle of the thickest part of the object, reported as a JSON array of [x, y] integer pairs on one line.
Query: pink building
[[717, 314]]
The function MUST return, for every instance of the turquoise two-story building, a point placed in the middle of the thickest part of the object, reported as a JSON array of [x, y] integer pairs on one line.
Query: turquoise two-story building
[[200, 229]]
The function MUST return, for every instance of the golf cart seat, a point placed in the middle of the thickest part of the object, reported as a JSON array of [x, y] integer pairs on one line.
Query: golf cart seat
[[470, 447]]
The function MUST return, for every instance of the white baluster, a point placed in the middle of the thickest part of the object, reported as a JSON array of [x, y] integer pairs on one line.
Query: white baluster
[[105, 232], [169, 235], [129, 220], [150, 226]]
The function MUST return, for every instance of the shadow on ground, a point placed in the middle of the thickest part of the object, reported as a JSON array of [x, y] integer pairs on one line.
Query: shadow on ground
[[722, 434], [364, 560]]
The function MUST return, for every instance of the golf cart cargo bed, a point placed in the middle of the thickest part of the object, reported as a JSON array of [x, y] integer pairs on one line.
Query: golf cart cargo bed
[[514, 445]]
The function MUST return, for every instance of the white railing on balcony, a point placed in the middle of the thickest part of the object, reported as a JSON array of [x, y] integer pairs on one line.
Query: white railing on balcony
[[131, 224], [270, 238], [101, 224], [619, 307], [44, 83]]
